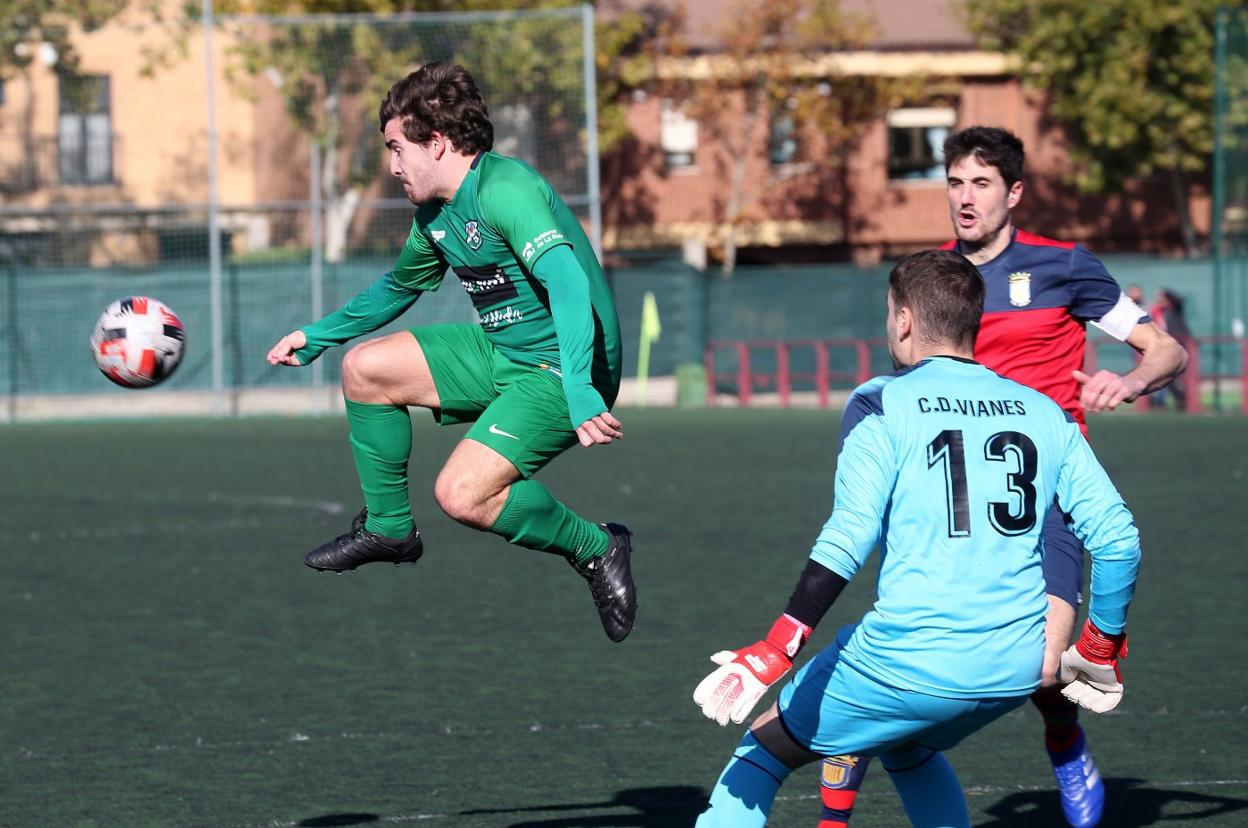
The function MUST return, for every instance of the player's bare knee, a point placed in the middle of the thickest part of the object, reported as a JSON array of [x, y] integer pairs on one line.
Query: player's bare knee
[[360, 374], [459, 500]]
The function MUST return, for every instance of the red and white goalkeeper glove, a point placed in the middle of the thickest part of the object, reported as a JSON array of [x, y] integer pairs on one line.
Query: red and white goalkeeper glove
[[1090, 669], [732, 691]]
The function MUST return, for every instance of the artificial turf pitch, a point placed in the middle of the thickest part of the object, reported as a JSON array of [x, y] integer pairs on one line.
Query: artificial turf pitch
[[167, 659]]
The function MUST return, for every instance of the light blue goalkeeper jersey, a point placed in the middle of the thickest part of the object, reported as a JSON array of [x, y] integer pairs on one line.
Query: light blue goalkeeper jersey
[[951, 467]]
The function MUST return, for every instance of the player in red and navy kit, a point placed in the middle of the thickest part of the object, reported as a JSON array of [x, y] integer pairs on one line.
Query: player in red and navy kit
[[1041, 293], [1040, 296]]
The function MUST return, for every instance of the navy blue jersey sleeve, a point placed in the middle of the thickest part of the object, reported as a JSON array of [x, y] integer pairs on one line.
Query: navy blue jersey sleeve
[[866, 470], [1093, 291], [1101, 520], [866, 401]]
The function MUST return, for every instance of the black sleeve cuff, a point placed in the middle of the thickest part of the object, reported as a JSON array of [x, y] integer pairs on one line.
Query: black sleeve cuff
[[816, 589]]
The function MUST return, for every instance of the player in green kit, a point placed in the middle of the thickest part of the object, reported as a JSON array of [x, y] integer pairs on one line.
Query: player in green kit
[[537, 375]]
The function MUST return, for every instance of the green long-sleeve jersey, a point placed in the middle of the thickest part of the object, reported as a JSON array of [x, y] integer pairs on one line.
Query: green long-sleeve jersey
[[502, 220], [557, 315]]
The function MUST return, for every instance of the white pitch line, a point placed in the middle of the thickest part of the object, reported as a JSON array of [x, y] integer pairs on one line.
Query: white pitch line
[[456, 731], [303, 504], [981, 790], [303, 738], [137, 530], [393, 819], [1165, 711], [327, 507], [174, 524], [984, 790]]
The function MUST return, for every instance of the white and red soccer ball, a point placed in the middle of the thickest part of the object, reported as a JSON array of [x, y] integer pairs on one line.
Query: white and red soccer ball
[[137, 342]]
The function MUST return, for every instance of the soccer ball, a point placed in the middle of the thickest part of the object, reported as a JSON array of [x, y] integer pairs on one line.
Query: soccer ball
[[137, 342]]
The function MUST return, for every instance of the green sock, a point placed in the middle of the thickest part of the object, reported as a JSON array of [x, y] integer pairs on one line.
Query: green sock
[[381, 440], [532, 518]]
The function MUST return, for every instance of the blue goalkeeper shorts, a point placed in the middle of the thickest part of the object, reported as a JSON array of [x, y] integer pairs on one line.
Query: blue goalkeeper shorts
[[831, 708]]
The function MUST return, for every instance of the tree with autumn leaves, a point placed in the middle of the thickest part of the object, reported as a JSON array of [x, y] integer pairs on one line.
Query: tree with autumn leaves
[[776, 59], [1131, 81]]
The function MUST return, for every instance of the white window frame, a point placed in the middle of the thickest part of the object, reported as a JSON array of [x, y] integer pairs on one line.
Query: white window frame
[[678, 137], [935, 123]]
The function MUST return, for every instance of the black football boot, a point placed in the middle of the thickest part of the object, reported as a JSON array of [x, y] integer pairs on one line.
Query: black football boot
[[611, 583], [360, 546]]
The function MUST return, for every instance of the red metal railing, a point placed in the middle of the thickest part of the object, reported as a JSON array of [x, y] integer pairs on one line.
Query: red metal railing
[[780, 378], [1196, 374]]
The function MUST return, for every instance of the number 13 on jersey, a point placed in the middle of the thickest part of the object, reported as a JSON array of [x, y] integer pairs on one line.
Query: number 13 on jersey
[[1017, 454]]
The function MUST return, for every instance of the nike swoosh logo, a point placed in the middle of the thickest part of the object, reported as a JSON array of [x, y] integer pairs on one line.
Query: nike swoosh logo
[[494, 429]]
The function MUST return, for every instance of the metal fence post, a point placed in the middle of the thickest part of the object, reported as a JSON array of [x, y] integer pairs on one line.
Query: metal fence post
[[214, 226], [591, 128], [1220, 307], [317, 267], [13, 340]]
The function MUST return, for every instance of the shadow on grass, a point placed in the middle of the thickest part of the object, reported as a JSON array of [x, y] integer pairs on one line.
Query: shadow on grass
[[675, 806], [1128, 802], [338, 820]]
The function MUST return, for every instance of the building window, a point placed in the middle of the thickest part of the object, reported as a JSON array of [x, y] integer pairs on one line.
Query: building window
[[85, 131], [678, 136], [782, 146], [916, 138]]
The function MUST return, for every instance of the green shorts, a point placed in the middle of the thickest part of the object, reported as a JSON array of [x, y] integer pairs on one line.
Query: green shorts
[[520, 411]]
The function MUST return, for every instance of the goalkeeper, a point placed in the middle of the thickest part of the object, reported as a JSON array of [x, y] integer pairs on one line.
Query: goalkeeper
[[535, 377], [950, 468]]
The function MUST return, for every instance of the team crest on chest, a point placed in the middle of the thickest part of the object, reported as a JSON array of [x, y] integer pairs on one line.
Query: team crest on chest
[[472, 235], [1020, 289]]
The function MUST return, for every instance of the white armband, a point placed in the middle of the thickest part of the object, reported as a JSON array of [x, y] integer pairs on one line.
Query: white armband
[[1121, 319]]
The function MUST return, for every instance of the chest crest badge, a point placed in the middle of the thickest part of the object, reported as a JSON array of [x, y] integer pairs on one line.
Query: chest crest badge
[[472, 235], [1020, 289]]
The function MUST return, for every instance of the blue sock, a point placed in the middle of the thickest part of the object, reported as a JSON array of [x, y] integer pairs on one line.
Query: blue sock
[[746, 789], [929, 788]]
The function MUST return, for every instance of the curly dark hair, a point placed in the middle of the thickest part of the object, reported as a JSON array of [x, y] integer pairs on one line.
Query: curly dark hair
[[441, 98], [993, 146]]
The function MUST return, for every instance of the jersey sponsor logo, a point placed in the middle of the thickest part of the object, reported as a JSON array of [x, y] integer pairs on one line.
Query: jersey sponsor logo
[[500, 318], [494, 429], [438, 235], [541, 240], [486, 285], [1020, 289], [472, 235]]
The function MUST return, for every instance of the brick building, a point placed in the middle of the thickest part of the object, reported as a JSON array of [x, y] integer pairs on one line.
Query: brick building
[[125, 138], [667, 186]]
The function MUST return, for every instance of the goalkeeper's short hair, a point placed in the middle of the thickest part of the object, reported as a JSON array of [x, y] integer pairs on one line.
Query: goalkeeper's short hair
[[945, 293]]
